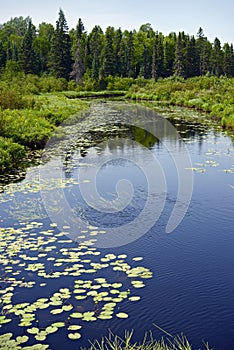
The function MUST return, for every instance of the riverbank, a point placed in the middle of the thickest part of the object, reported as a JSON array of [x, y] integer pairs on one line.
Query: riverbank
[[208, 94], [32, 107], [28, 119]]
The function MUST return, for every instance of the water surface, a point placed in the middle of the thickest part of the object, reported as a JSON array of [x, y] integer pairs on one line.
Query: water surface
[[189, 273]]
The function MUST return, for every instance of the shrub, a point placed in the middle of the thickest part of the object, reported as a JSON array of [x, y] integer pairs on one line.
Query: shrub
[[10, 153], [25, 127]]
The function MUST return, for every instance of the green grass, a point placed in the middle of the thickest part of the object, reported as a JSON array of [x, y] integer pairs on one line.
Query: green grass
[[93, 94], [32, 107], [208, 94], [114, 342], [28, 121]]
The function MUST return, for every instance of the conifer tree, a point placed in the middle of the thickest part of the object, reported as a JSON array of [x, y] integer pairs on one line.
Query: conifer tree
[[228, 65], [108, 54], [179, 64], [217, 58], [117, 52], [158, 58], [191, 68], [169, 45], [78, 66], [60, 61], [130, 56], [96, 45], [203, 55], [27, 53]]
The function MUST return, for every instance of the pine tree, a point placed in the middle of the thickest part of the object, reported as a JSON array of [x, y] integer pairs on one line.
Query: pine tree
[[204, 51], [78, 66], [117, 52], [169, 55], [217, 58], [191, 68], [130, 56], [228, 66], [60, 61], [27, 53], [96, 38], [158, 58], [179, 64], [108, 54]]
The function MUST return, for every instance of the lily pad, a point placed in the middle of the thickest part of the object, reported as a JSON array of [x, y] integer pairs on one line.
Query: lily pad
[[40, 337], [74, 336], [122, 315], [76, 315], [137, 258], [134, 298], [33, 330], [74, 327], [56, 311], [22, 339], [51, 329]]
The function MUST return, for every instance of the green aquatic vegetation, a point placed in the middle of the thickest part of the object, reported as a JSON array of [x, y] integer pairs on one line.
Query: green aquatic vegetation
[[122, 315], [105, 296], [31, 126], [74, 336]]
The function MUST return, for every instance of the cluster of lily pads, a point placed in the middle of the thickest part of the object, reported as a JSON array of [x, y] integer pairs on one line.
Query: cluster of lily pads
[[32, 258]]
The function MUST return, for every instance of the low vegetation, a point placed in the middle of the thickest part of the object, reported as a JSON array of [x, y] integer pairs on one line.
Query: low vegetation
[[208, 94], [30, 109], [148, 343]]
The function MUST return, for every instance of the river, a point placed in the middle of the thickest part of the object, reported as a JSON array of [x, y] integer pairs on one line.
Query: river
[[126, 223]]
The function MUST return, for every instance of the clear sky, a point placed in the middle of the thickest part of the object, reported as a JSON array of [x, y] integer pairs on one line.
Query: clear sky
[[216, 17]]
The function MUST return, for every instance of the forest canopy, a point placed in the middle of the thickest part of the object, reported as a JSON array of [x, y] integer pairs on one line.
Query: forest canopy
[[95, 56]]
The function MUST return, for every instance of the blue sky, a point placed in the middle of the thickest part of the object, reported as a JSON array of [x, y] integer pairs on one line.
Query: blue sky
[[215, 17]]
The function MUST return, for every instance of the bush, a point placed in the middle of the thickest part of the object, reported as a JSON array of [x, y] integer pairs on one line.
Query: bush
[[118, 83], [52, 84], [25, 127], [207, 93], [10, 154], [10, 98]]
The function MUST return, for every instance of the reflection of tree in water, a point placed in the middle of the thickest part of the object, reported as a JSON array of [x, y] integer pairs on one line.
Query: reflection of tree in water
[[102, 139], [112, 136]]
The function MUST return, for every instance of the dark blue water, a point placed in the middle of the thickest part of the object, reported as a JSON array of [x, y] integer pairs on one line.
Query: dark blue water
[[191, 291]]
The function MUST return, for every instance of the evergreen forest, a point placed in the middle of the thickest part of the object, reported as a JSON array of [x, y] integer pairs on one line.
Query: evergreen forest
[[93, 57]]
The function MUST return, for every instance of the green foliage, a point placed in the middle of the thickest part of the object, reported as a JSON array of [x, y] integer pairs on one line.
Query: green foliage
[[28, 117], [208, 93], [60, 54], [10, 98], [27, 53], [26, 127], [117, 83], [10, 153], [89, 58]]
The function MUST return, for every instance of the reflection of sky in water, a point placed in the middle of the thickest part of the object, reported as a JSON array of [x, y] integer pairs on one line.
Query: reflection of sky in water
[[191, 291]]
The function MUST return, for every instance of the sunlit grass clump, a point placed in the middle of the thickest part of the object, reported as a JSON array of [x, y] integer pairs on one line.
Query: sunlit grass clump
[[114, 342]]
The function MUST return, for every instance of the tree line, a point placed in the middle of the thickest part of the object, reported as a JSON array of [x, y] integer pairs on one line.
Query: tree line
[[95, 56]]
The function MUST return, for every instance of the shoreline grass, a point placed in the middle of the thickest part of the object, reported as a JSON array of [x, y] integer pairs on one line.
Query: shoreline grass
[[114, 342], [32, 107], [209, 94]]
